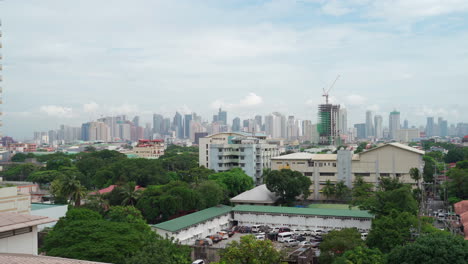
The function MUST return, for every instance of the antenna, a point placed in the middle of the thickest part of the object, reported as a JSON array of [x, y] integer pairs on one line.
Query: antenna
[[325, 93]]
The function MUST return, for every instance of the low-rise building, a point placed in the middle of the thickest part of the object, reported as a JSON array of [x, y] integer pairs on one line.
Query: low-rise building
[[197, 225], [250, 152], [18, 232], [259, 195], [388, 160], [149, 149], [301, 218], [13, 201], [53, 211], [22, 147]]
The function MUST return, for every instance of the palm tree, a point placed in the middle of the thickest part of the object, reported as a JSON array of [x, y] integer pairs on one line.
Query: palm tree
[[72, 189], [329, 189], [341, 191], [129, 194]]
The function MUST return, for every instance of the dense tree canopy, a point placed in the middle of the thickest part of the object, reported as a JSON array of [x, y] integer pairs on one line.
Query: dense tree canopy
[[337, 242], [288, 184], [235, 181], [361, 255], [432, 249], [250, 251]]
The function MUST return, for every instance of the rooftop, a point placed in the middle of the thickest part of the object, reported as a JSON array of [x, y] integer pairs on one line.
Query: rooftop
[[332, 206], [302, 211], [34, 259], [259, 194], [10, 221], [40, 206], [193, 218]]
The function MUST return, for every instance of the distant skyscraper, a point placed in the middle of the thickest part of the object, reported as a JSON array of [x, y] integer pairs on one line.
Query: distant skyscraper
[[378, 126], [430, 127], [136, 121], [187, 120], [236, 127], [157, 124], [258, 121], [360, 130], [178, 125], [405, 124], [222, 117], [343, 121], [328, 124], [369, 124], [269, 125], [394, 124], [443, 128]]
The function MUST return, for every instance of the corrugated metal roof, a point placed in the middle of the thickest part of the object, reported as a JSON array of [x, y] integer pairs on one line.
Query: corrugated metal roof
[[398, 145], [306, 156], [10, 221], [33, 259], [302, 211], [39, 206], [194, 218]]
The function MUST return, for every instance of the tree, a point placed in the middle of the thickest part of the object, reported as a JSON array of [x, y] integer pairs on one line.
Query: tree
[[196, 175], [458, 184], [56, 163], [130, 194], [211, 193], [328, 190], [436, 155], [126, 214], [69, 187], [337, 242], [342, 192], [288, 184], [44, 177], [455, 155], [361, 193], [401, 200], [361, 255], [235, 181], [432, 249], [19, 172], [392, 230], [250, 251], [161, 251], [415, 175], [95, 239], [428, 170]]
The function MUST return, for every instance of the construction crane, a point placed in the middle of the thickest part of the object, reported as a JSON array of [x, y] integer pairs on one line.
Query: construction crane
[[325, 93]]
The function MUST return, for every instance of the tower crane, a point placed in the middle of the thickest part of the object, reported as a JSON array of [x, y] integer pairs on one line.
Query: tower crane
[[325, 93]]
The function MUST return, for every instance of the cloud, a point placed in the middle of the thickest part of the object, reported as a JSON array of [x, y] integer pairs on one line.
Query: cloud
[[334, 8], [124, 109], [355, 99], [248, 101], [91, 107], [57, 111]]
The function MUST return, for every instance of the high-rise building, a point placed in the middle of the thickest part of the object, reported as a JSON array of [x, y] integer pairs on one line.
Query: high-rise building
[[158, 124], [99, 131], [360, 130], [258, 121], [430, 127], [236, 127], [292, 130], [343, 121], [443, 128], [405, 124], [378, 126], [394, 124], [222, 117], [136, 121], [187, 120], [328, 124], [369, 124], [178, 125]]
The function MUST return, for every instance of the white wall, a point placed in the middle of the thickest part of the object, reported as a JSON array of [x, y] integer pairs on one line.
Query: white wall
[[23, 244], [11, 201]]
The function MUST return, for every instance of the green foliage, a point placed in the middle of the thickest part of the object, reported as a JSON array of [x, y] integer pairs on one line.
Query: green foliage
[[329, 189], [58, 162], [336, 243], [455, 155], [67, 186], [211, 193], [342, 192], [361, 147], [462, 164], [436, 155], [458, 186], [361, 255], [392, 230], [428, 170], [19, 172], [250, 250], [161, 251], [401, 200], [21, 157], [235, 181], [389, 184], [126, 214], [361, 192], [44, 177], [95, 239], [195, 175], [432, 249], [288, 184]]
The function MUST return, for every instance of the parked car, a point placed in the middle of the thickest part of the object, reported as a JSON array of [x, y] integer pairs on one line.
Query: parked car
[[215, 238], [255, 228], [317, 232], [300, 238], [199, 261], [229, 232], [305, 243], [305, 232], [284, 229], [260, 237], [291, 242], [223, 234], [204, 242]]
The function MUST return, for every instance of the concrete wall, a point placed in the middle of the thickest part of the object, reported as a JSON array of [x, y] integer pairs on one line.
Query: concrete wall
[[301, 221], [23, 244], [11, 201], [201, 230]]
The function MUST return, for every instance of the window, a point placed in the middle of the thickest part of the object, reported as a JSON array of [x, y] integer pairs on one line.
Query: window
[[384, 174], [362, 174], [311, 164], [334, 164], [300, 162], [16, 232], [309, 174], [320, 164], [327, 174], [279, 162]]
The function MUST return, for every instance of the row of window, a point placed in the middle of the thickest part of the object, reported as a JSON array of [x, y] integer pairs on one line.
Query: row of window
[[15, 232]]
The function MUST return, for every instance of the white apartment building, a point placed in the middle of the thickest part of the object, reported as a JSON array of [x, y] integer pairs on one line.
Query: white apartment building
[[224, 151], [389, 160], [13, 201]]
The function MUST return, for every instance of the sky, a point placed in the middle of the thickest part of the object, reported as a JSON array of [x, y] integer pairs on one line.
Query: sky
[[68, 62]]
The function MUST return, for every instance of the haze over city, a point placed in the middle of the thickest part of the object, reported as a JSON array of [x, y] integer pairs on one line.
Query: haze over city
[[68, 63]]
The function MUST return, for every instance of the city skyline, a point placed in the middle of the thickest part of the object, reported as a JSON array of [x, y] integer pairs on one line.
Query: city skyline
[[150, 57]]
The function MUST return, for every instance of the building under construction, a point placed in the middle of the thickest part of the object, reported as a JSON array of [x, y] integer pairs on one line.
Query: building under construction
[[327, 126]]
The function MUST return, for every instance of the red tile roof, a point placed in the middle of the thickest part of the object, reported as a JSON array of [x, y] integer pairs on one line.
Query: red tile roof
[[111, 188]]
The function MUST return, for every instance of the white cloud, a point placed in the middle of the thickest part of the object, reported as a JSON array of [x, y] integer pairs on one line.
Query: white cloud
[[251, 100], [57, 111], [124, 109], [91, 107], [335, 8], [355, 99], [248, 101]]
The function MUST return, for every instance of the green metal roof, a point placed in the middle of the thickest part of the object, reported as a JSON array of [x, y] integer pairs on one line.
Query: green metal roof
[[39, 206], [302, 211], [332, 206], [193, 218]]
